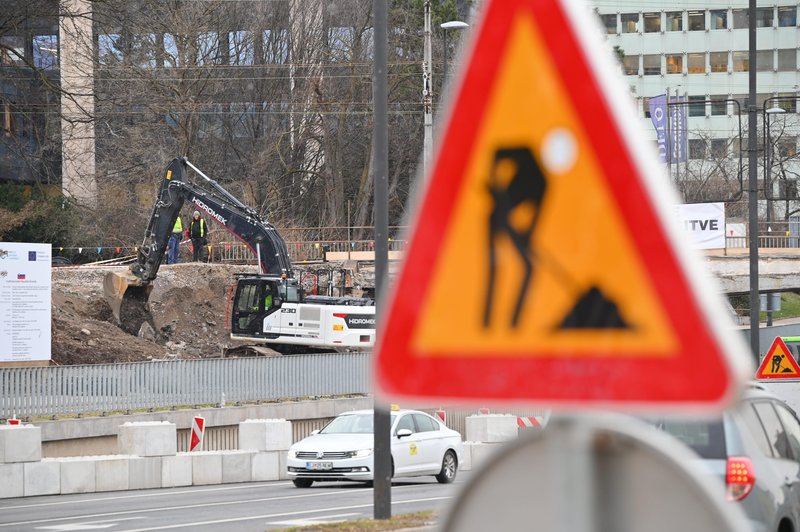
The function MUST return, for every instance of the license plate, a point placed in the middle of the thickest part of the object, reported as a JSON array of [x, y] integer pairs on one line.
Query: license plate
[[319, 466]]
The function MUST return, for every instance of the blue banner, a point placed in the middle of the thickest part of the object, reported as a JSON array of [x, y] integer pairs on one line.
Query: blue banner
[[658, 114]]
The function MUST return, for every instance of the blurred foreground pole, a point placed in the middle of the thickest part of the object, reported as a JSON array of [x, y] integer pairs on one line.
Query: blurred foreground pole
[[752, 177], [382, 499]]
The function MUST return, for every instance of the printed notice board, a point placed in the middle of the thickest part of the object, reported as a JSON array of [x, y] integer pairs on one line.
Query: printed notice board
[[25, 309]]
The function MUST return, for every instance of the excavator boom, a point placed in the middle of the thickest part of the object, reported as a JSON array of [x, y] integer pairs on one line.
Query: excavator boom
[[133, 287]]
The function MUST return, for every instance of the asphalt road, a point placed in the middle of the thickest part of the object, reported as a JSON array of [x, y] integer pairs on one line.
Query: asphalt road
[[231, 507]]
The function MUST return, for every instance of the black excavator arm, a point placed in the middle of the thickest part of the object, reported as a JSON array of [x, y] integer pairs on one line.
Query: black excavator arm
[[219, 206]]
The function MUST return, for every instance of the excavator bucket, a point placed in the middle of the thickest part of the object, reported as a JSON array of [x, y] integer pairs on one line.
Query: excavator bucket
[[127, 296]]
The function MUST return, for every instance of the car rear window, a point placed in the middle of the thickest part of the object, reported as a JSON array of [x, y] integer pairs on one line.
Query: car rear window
[[705, 437]]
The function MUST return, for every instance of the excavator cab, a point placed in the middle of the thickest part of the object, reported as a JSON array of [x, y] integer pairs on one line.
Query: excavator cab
[[254, 298]]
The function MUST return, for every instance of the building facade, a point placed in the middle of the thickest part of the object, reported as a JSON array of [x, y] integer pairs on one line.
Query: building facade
[[700, 51]]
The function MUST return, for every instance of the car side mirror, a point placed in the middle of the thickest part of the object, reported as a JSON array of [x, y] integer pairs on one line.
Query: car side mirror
[[403, 433]]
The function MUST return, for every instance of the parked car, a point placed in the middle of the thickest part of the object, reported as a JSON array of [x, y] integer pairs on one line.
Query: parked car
[[343, 450], [754, 449]]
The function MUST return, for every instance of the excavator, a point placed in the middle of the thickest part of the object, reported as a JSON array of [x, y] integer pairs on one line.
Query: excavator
[[269, 307]]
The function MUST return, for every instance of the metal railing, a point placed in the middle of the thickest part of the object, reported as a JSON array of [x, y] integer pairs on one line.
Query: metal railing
[[105, 388]]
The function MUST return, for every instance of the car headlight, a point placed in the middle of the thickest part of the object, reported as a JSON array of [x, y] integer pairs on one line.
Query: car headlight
[[292, 453], [362, 453]]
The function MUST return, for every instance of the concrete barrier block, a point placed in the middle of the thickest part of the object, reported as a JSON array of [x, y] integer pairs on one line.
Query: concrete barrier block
[[466, 457], [78, 475], [20, 443], [265, 435], [42, 478], [491, 428], [266, 466], [237, 466], [206, 468], [152, 438], [111, 473], [283, 474], [12, 484], [145, 472], [176, 470], [481, 452]]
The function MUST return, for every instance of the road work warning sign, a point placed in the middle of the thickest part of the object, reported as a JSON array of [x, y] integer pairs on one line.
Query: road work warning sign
[[778, 363], [577, 289]]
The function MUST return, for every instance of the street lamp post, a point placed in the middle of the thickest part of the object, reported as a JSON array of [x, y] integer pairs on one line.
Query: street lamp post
[[427, 95], [449, 25]]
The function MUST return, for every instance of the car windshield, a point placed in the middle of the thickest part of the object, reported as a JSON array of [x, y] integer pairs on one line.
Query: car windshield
[[705, 437], [351, 424]]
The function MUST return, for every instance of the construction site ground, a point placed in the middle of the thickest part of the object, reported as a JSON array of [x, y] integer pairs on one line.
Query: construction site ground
[[187, 315]]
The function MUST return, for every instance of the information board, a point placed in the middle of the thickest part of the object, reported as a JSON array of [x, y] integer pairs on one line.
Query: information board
[[25, 309]]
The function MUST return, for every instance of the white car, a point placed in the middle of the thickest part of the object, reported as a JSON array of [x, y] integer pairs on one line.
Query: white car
[[421, 445]]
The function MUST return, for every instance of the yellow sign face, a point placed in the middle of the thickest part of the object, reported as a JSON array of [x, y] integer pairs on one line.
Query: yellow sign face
[[536, 239]]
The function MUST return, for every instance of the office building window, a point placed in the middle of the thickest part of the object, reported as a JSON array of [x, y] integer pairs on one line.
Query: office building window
[[719, 107], [719, 148], [12, 50], [787, 60], [741, 19], [275, 46], [697, 149], [696, 63], [764, 60], [630, 22], [652, 22], [718, 61], [109, 50], [787, 16], [764, 17], [697, 106], [646, 106], [789, 104], [241, 47], [697, 20], [208, 50], [741, 61], [675, 21], [742, 107], [630, 65], [651, 64], [674, 64], [45, 51], [787, 147], [719, 19], [610, 23]]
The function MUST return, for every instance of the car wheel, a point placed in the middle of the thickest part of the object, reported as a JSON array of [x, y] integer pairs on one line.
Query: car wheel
[[302, 482], [449, 468]]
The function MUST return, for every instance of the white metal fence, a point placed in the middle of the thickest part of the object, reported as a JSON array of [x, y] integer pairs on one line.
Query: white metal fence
[[46, 391]]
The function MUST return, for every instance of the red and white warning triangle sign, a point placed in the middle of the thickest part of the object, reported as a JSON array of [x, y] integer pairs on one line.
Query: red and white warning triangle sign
[[778, 363], [539, 265]]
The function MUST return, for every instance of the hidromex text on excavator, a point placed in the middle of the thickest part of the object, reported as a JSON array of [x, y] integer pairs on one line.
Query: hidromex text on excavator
[[269, 307]]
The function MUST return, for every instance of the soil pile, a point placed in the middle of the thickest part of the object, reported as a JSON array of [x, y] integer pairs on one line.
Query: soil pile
[[187, 308]]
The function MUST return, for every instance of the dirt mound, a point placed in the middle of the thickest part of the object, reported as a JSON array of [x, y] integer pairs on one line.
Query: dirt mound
[[187, 316]]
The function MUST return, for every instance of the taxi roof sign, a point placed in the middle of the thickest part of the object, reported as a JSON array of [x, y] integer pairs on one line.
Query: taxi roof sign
[[540, 266], [778, 363]]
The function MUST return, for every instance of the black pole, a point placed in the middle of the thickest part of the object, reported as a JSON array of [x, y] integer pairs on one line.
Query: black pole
[[752, 173], [382, 494]]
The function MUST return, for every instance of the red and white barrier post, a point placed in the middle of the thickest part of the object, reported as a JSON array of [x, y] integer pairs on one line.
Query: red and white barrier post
[[13, 421], [528, 422], [198, 429], [483, 411], [442, 415]]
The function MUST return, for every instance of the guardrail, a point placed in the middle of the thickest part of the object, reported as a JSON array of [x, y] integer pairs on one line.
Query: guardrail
[[105, 388]]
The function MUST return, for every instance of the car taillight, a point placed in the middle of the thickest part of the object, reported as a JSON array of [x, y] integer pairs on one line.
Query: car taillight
[[739, 477]]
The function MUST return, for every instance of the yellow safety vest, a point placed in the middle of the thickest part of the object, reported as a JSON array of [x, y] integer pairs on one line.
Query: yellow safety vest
[[178, 227]]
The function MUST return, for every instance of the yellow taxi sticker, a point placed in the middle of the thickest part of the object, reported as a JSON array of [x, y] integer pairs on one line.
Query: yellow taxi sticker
[[412, 448], [338, 327]]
